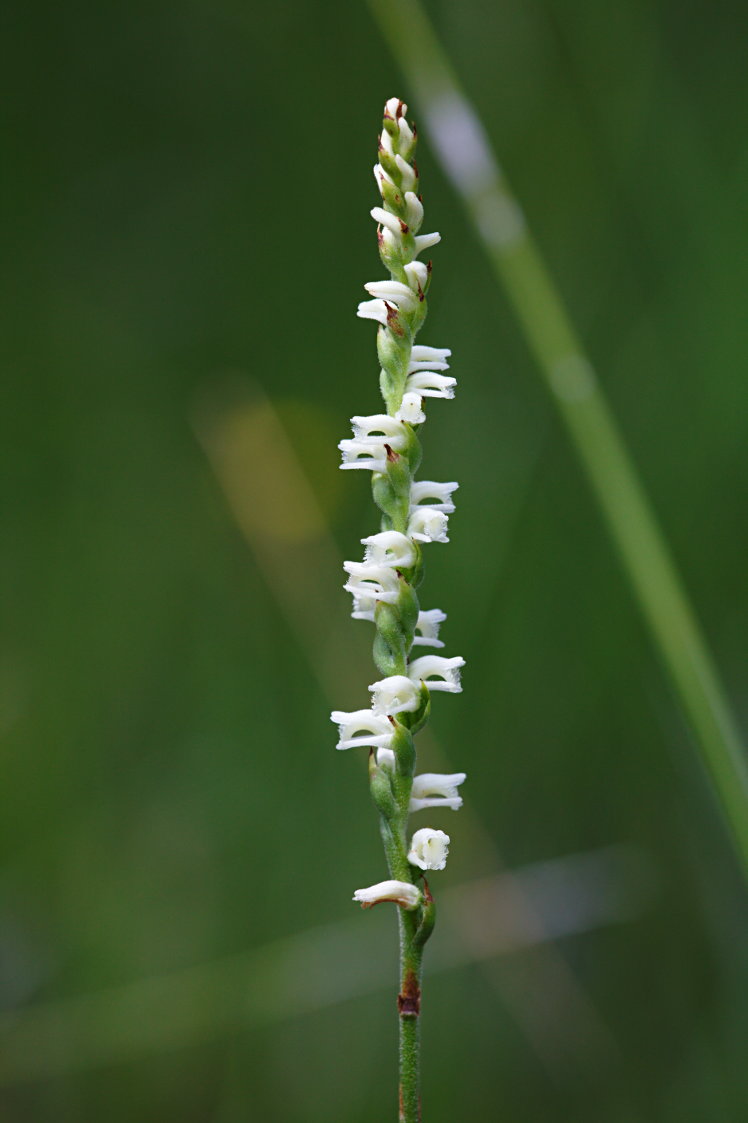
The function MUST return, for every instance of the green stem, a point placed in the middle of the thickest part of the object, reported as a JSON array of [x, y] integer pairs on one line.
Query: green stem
[[411, 956], [571, 381], [409, 1008]]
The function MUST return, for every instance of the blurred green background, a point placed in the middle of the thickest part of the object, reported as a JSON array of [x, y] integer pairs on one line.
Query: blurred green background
[[185, 200]]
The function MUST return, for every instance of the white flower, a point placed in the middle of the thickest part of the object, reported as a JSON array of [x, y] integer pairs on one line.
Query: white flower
[[374, 310], [391, 243], [428, 625], [406, 134], [426, 241], [410, 409], [379, 424], [432, 789], [394, 694], [386, 141], [401, 892], [381, 176], [389, 221], [370, 435], [389, 547], [413, 211], [428, 358], [393, 292], [431, 385], [420, 670], [369, 580], [393, 106], [373, 730], [429, 489], [406, 172], [417, 275], [427, 524], [364, 454], [429, 849]]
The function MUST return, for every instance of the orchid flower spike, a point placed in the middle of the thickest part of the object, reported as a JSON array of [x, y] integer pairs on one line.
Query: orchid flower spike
[[385, 586]]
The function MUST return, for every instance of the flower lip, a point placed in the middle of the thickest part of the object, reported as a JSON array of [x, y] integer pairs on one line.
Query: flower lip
[[368, 579], [429, 849], [428, 524], [394, 695], [439, 495], [421, 670], [411, 409], [431, 385], [362, 729], [433, 789], [391, 548]]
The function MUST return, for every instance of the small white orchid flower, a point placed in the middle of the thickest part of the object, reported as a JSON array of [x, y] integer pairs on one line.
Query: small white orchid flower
[[428, 358], [364, 454], [374, 310], [387, 220], [411, 409], [370, 435], [406, 133], [448, 670], [379, 425], [428, 626], [386, 141], [395, 695], [431, 490], [390, 242], [377, 581], [426, 241], [393, 292], [362, 729], [429, 849], [381, 176], [431, 385], [389, 547], [413, 211], [427, 524], [433, 789], [418, 275], [408, 179], [400, 892]]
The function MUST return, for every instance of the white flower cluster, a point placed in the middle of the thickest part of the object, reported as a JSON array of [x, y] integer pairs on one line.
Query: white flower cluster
[[389, 556]]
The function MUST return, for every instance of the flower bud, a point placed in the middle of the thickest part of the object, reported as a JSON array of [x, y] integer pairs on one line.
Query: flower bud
[[402, 893]]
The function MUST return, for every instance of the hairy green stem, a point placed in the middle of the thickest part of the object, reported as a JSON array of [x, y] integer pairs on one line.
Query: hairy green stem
[[572, 383]]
